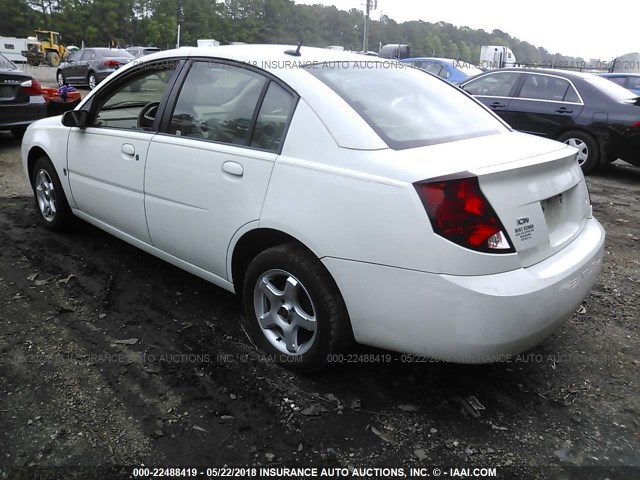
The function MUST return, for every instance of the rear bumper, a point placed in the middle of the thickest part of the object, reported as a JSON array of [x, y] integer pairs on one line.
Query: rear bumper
[[23, 115], [102, 74], [627, 148], [468, 319]]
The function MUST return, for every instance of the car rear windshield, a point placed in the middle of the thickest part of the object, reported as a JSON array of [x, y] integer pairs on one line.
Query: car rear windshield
[[405, 106], [112, 52]]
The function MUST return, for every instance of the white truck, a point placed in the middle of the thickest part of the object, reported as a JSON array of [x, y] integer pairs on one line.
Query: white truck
[[496, 56]]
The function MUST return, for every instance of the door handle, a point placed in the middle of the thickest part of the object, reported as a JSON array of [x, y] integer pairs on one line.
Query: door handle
[[497, 105], [564, 110], [233, 168], [128, 149]]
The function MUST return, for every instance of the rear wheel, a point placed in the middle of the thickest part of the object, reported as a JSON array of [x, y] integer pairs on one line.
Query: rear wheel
[[293, 309], [92, 80], [588, 154], [50, 199], [60, 78]]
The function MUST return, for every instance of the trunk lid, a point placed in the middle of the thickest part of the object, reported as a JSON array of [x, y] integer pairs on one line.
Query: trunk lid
[[11, 93], [535, 186], [543, 206]]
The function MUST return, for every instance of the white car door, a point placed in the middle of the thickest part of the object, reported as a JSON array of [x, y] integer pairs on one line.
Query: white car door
[[207, 174], [106, 161]]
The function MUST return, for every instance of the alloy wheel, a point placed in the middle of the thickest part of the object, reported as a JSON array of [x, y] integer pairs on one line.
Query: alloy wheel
[[285, 312], [46, 195]]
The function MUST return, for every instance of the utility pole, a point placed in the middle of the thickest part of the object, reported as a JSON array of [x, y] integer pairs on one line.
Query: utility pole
[[370, 5]]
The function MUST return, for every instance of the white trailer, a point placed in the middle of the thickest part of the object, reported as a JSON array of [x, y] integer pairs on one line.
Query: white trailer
[[496, 56], [207, 42], [12, 48]]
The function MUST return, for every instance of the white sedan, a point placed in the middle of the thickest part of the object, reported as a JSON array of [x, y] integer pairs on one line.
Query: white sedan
[[343, 197]]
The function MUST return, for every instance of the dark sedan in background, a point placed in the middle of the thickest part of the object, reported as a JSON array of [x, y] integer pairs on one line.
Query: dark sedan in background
[[598, 117], [21, 100], [90, 66]]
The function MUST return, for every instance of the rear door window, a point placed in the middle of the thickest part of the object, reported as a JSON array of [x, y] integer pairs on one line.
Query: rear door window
[[500, 84], [273, 118], [545, 87], [217, 102], [225, 103]]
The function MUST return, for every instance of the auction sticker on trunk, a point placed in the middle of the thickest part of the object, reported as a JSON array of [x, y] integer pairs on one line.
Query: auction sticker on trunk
[[524, 229]]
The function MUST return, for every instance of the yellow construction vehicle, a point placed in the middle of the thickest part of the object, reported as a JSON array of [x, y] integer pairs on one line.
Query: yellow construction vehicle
[[52, 52]]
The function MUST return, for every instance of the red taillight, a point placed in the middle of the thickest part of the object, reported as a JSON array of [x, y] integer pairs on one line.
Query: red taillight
[[32, 87], [111, 63], [636, 124], [459, 212]]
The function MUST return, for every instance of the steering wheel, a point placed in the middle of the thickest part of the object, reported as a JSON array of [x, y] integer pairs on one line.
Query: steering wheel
[[147, 115]]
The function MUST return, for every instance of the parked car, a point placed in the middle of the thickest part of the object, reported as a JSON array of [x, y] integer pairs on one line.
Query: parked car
[[21, 100], [90, 66], [408, 194], [584, 110], [453, 71], [630, 81], [138, 52]]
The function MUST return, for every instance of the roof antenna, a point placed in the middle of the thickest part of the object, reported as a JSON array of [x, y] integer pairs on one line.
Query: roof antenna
[[296, 52]]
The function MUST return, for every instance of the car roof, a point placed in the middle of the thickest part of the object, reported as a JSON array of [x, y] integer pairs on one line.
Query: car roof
[[289, 69], [255, 54], [549, 71]]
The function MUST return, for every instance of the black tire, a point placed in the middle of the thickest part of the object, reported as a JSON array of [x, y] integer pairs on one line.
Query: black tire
[[589, 153], [60, 78], [315, 295], [18, 132], [92, 80], [57, 215], [53, 59]]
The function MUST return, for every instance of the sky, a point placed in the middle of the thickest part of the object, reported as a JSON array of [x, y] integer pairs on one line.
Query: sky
[[574, 28]]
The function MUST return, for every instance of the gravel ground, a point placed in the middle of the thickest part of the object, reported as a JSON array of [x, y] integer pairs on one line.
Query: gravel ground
[[109, 356]]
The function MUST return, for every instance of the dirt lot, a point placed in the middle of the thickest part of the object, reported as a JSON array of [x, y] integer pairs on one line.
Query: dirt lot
[[109, 356]]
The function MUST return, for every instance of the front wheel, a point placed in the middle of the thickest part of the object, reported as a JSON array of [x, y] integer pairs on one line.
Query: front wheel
[[293, 309], [588, 154], [50, 199], [61, 79], [53, 59]]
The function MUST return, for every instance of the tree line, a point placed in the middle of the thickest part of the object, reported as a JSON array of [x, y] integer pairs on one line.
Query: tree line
[[155, 22]]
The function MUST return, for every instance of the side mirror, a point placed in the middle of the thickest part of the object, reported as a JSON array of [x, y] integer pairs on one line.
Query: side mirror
[[76, 118]]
